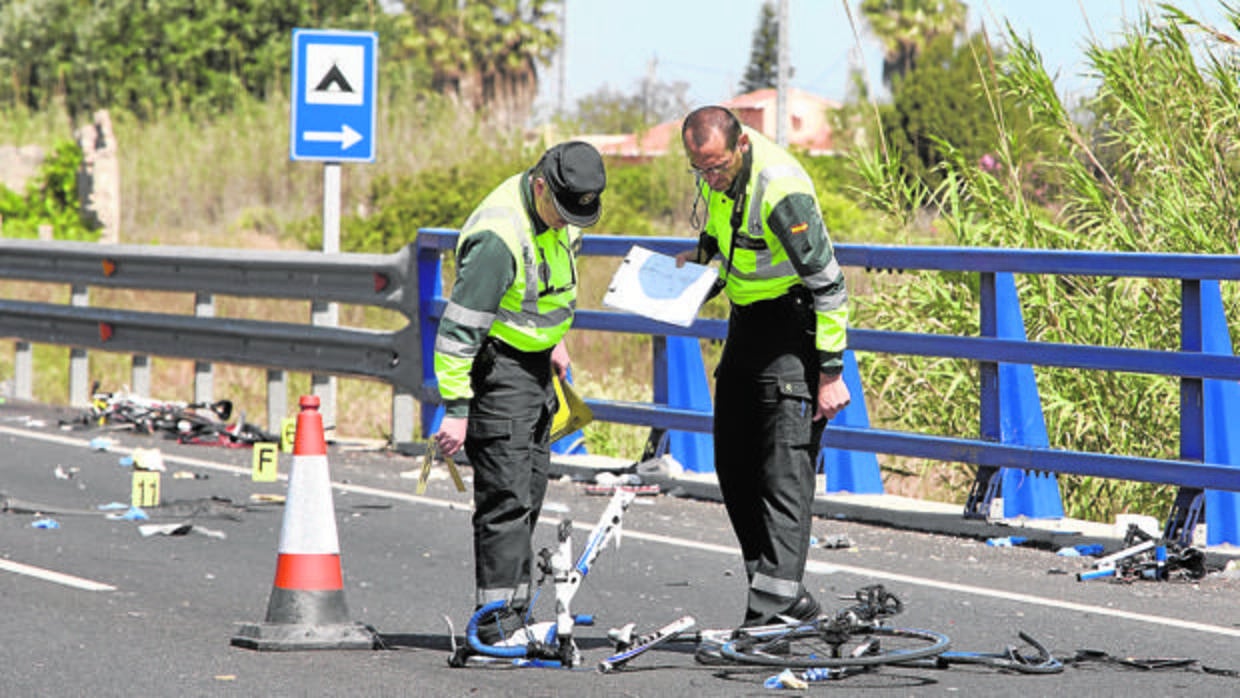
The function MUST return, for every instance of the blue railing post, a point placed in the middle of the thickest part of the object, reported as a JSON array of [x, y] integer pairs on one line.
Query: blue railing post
[[430, 287], [1186, 510], [1030, 493], [986, 484]]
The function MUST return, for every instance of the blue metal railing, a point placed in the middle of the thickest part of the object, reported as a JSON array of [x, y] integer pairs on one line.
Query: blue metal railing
[[1192, 366]]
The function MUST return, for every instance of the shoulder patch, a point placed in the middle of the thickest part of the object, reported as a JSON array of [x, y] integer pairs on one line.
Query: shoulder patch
[[799, 228]]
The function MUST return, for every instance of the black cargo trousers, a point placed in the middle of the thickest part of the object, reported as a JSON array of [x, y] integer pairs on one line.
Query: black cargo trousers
[[506, 442], [766, 443]]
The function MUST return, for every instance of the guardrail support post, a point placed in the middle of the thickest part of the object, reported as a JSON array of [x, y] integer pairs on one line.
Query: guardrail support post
[[23, 371], [277, 399], [204, 306], [324, 386], [79, 363], [402, 415], [140, 375]]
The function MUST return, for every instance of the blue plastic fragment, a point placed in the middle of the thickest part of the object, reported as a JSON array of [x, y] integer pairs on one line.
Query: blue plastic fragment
[[131, 514], [1006, 541], [126, 461], [112, 506], [45, 523]]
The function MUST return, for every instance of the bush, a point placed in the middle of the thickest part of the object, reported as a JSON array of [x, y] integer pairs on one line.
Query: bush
[[51, 198]]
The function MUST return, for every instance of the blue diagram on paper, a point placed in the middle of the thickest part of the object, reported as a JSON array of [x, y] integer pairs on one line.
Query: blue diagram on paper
[[650, 284], [658, 278]]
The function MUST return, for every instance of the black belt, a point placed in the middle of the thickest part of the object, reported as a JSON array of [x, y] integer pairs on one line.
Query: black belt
[[499, 346], [796, 295]]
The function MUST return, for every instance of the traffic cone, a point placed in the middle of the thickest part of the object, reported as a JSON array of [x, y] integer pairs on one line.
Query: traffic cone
[[307, 610]]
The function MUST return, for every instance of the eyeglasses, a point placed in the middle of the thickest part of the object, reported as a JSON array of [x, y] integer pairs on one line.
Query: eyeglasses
[[712, 171]]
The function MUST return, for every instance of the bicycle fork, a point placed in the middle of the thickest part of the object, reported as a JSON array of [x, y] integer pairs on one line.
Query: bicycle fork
[[567, 576]]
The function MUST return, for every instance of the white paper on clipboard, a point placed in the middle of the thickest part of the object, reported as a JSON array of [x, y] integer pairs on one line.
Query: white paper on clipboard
[[650, 284]]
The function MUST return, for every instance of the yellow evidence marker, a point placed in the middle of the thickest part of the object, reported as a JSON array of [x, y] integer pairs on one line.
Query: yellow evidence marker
[[432, 452], [288, 431], [145, 488], [266, 462]]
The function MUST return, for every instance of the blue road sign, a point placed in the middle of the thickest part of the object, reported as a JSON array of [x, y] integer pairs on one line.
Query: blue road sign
[[333, 109]]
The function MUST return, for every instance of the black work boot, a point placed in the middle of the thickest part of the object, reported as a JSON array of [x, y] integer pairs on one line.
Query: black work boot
[[805, 608]]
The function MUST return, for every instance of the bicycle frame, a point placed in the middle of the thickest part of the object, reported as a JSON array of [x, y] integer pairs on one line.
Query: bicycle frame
[[553, 640]]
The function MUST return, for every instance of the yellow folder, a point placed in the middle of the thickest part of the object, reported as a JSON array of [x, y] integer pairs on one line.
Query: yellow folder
[[573, 413]]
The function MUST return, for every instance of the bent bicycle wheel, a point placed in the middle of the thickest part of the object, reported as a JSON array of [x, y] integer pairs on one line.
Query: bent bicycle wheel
[[805, 647]]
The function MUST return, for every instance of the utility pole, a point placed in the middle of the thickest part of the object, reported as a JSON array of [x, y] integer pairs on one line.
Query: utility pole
[[648, 91], [781, 80], [562, 59]]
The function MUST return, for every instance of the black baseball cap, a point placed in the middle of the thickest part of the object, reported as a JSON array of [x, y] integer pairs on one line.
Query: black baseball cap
[[574, 172]]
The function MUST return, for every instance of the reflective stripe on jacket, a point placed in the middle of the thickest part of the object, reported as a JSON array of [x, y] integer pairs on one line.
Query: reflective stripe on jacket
[[536, 309]]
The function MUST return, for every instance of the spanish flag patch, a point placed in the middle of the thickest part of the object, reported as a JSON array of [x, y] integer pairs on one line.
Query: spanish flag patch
[[799, 228]]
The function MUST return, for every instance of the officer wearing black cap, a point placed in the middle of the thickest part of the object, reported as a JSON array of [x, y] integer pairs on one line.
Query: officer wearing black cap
[[498, 341]]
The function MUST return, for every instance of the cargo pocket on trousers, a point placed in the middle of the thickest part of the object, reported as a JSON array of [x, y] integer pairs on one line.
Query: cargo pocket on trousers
[[485, 429], [791, 402]]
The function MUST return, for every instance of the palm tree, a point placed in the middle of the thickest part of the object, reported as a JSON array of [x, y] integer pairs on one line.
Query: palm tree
[[906, 26], [484, 54]]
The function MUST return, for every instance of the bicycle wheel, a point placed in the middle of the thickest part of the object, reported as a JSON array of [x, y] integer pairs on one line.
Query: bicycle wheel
[[807, 647], [1039, 661]]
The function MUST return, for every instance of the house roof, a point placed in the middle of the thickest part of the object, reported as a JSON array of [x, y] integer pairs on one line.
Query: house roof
[[751, 107]]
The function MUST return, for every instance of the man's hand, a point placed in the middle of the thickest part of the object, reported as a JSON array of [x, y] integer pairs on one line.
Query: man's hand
[[833, 396], [560, 361], [686, 256], [451, 435]]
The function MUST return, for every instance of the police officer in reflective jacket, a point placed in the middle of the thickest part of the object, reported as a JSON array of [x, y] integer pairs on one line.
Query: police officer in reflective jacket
[[498, 341], [778, 380]]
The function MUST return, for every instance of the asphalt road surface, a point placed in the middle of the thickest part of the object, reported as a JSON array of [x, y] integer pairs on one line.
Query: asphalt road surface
[[94, 608]]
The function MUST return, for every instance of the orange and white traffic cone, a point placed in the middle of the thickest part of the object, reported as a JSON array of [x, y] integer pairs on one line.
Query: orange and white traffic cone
[[307, 608]]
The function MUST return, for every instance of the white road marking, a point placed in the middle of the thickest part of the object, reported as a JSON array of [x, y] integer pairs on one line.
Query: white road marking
[[57, 577], [812, 567]]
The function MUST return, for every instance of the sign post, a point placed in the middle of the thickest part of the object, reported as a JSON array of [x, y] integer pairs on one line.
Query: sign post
[[332, 120]]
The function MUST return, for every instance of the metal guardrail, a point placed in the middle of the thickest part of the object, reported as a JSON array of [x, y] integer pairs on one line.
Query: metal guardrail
[[384, 281], [987, 452], [408, 282]]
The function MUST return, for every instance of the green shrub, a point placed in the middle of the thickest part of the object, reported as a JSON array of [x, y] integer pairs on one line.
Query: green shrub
[[51, 198]]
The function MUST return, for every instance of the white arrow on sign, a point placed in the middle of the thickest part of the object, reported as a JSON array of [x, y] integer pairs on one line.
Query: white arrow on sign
[[345, 135]]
